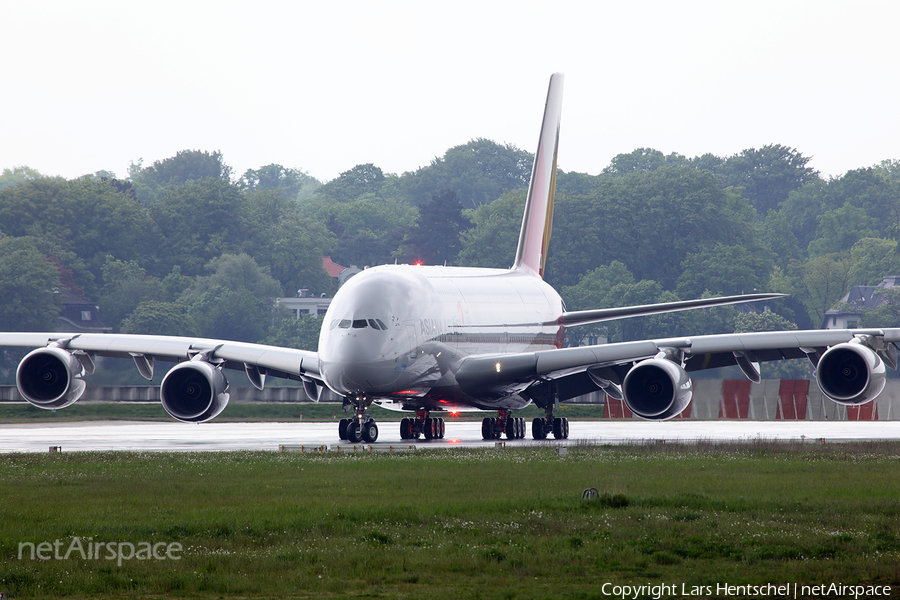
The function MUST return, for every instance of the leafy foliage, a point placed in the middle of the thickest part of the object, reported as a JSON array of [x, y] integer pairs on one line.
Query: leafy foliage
[[435, 239], [28, 286]]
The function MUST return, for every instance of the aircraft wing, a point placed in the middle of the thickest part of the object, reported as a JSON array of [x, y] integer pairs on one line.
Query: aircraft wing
[[853, 354], [583, 317], [257, 360]]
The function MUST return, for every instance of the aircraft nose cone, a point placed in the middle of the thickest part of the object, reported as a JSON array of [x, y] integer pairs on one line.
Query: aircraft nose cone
[[354, 366]]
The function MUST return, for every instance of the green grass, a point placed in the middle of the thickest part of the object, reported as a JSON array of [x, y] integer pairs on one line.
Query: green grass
[[257, 411], [459, 523]]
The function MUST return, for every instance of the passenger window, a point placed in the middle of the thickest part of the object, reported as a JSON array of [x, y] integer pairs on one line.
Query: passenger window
[[359, 324], [344, 324]]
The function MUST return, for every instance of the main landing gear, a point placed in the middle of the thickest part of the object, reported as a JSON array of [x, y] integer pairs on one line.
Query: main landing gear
[[432, 428], [493, 427], [542, 427], [362, 427]]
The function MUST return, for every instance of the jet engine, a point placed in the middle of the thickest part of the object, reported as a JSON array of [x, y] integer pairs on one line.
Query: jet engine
[[657, 389], [50, 378], [194, 391], [851, 373]]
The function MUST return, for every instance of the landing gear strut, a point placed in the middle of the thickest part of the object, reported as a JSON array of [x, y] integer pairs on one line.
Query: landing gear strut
[[362, 427], [547, 397], [432, 428], [493, 427]]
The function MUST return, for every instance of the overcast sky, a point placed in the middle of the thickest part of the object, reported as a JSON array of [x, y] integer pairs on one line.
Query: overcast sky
[[326, 85]]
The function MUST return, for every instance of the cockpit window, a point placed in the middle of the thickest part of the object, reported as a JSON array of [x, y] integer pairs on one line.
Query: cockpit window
[[376, 324]]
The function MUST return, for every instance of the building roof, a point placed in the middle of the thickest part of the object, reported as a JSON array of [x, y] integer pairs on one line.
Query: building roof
[[331, 267]]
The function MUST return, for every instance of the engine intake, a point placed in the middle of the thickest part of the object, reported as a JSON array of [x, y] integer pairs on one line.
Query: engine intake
[[657, 389], [50, 378], [851, 373], [194, 392]]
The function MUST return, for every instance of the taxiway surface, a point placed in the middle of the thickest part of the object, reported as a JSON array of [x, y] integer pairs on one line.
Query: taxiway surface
[[174, 436]]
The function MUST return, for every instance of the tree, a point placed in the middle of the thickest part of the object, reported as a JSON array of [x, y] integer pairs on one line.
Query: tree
[[17, 176], [289, 244], [28, 287], [821, 282], [234, 302], [368, 230], [226, 314], [761, 321], [159, 318], [724, 269], [594, 288], [479, 171], [199, 221], [293, 184], [492, 241], [767, 175], [839, 229], [349, 185], [89, 218], [775, 233], [289, 332], [126, 285], [186, 165], [593, 291], [435, 239], [642, 160], [240, 272], [872, 259], [649, 221]]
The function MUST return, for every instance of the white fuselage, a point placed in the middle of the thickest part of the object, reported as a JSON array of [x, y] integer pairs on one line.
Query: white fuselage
[[397, 332]]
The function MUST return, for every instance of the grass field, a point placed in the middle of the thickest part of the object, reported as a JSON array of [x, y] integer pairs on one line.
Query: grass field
[[460, 523]]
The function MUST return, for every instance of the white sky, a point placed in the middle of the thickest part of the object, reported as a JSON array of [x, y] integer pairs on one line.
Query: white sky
[[326, 85]]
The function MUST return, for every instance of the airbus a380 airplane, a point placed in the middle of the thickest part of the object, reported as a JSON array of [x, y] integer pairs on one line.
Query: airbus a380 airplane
[[423, 339]]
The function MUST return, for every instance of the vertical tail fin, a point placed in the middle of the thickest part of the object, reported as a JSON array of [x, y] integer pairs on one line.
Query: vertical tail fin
[[534, 237]]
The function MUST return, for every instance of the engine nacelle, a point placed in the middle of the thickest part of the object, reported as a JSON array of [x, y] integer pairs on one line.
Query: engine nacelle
[[851, 374], [50, 378], [194, 391], [657, 389]]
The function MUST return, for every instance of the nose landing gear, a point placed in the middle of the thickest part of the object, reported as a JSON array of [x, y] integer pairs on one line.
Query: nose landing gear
[[362, 427]]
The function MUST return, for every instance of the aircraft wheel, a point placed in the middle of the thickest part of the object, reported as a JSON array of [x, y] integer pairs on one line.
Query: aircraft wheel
[[404, 429], [370, 432], [512, 429], [429, 428], [537, 429], [342, 428], [443, 428], [354, 432], [487, 432], [557, 428]]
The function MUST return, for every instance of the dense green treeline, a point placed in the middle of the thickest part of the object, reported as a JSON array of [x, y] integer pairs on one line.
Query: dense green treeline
[[185, 246]]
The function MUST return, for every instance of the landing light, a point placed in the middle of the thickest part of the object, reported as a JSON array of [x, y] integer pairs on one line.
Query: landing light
[[497, 366]]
